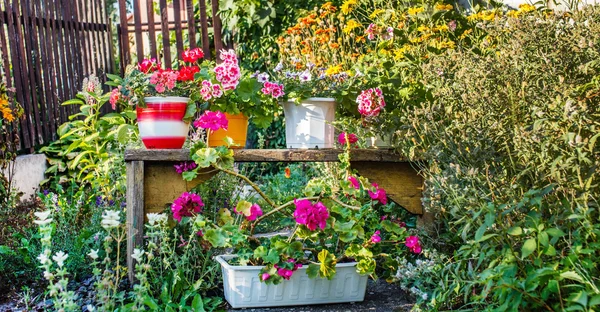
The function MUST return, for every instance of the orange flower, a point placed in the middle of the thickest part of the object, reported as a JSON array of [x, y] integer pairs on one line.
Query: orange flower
[[334, 45], [288, 172]]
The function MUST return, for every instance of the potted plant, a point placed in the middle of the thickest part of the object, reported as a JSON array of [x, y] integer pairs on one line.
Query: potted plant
[[338, 233], [167, 100]]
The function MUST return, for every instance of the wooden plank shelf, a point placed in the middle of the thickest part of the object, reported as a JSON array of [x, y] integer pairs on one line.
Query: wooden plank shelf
[[272, 155], [153, 184]]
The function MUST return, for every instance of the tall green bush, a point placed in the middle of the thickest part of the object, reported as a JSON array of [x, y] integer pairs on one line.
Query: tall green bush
[[511, 163]]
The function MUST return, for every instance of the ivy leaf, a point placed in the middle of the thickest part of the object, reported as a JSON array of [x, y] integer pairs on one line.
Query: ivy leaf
[[327, 267], [366, 266], [204, 157], [217, 237], [528, 248], [313, 270]]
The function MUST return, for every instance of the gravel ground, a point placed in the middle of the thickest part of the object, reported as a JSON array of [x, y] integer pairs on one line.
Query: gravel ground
[[380, 297]]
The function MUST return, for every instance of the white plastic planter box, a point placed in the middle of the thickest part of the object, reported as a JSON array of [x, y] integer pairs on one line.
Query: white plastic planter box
[[308, 125], [243, 288]]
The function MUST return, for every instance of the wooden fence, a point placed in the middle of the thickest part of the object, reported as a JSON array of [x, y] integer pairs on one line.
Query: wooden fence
[[149, 35], [46, 49]]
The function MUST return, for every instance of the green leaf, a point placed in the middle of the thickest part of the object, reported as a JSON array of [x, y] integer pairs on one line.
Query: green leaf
[[392, 227], [244, 207], [150, 303], [189, 175], [272, 256], [217, 237], [572, 275], [260, 252], [198, 304], [580, 297], [204, 157], [313, 270], [480, 232], [528, 248], [344, 226], [293, 250], [366, 266], [327, 267], [555, 232], [515, 231], [73, 102], [358, 251], [190, 112]]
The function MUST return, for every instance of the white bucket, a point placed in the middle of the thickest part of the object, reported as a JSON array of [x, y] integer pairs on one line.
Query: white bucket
[[308, 125]]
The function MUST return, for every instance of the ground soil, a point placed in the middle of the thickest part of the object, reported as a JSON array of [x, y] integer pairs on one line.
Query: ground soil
[[380, 297]]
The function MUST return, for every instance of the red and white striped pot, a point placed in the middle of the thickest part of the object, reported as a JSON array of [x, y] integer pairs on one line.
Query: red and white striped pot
[[161, 122]]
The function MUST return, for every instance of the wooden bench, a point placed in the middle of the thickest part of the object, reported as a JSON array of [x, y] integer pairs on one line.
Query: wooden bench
[[152, 183]]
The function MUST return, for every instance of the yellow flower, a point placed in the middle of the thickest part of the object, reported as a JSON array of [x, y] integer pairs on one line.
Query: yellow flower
[[3, 103], [423, 28], [415, 11], [447, 45], [347, 6], [350, 26], [513, 13], [332, 70], [466, 33], [376, 12], [444, 7], [399, 53], [441, 28], [525, 8], [7, 113]]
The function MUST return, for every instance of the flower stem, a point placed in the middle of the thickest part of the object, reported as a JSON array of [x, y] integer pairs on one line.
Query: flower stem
[[254, 186]]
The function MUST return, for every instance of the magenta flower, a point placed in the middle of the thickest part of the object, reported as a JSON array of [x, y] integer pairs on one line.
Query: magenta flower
[[370, 102], [185, 205], [311, 215], [212, 120], [285, 273], [115, 95], [347, 137], [412, 242], [255, 212], [265, 276], [163, 80], [148, 65], [354, 182], [375, 238], [184, 167], [273, 89], [379, 194]]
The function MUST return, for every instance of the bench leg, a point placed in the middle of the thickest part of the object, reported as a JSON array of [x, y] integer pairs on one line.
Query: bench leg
[[135, 211]]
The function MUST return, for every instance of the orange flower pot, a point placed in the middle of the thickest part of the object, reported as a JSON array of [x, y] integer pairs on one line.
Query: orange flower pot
[[237, 130]]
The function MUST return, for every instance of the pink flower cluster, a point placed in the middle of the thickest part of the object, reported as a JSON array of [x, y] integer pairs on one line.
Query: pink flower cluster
[[192, 55], [273, 89], [379, 194], [375, 238], [372, 31], [255, 212], [347, 137], [115, 96], [210, 90], [412, 242], [185, 205], [149, 65], [370, 102], [212, 120], [287, 273], [228, 72], [311, 215], [185, 166], [163, 80]]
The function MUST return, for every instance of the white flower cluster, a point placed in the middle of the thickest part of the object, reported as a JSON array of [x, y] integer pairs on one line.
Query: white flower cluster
[[157, 218], [110, 219]]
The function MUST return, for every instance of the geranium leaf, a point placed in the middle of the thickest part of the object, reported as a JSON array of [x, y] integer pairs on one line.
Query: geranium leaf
[[272, 256], [313, 270], [357, 251], [204, 157], [217, 237], [224, 216], [244, 208], [366, 266], [327, 267]]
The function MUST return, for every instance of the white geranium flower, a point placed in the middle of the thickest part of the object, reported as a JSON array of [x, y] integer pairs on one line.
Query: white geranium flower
[[60, 258], [156, 218], [137, 254], [110, 219], [93, 254]]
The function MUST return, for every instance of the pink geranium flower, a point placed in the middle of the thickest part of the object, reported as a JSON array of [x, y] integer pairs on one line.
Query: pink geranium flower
[[186, 73], [148, 65], [273, 89], [311, 215], [379, 194], [265, 276], [163, 80], [115, 95], [212, 120], [347, 137], [185, 205], [412, 242], [370, 102], [354, 182], [255, 212], [375, 238]]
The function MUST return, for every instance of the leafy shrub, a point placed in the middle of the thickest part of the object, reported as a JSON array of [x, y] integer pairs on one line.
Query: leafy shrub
[[511, 163]]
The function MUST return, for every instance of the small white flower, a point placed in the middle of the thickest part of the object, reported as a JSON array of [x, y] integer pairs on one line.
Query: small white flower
[[137, 254], [110, 219], [90, 308], [43, 257], [43, 215], [358, 73], [43, 222], [278, 67], [263, 77], [156, 218], [60, 258], [305, 76], [93, 254], [48, 276]]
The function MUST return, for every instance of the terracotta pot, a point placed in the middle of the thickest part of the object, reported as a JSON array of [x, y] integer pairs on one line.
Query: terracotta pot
[[308, 125], [237, 130], [161, 122]]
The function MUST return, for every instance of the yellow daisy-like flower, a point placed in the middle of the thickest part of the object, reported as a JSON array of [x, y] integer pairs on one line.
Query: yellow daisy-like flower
[[444, 7], [376, 12], [7, 114], [422, 28], [350, 26], [525, 8], [347, 6], [3, 103], [415, 11], [333, 70], [466, 33]]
